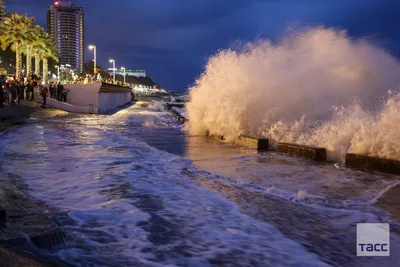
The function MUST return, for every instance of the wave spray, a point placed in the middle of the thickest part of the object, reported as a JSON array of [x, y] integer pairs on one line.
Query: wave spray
[[315, 87]]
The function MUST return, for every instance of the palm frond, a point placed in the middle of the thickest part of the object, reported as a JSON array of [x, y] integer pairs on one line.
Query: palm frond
[[16, 28], [49, 48]]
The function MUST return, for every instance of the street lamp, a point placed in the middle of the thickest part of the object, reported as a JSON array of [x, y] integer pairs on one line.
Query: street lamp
[[67, 66], [122, 68], [93, 47], [113, 62]]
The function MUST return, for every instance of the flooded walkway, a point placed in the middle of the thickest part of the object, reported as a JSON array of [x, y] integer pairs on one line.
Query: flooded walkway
[[132, 189]]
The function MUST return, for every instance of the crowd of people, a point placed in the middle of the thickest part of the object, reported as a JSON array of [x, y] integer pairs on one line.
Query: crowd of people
[[111, 81], [89, 79], [16, 89]]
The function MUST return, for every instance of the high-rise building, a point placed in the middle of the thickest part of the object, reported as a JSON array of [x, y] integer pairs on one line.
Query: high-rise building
[[65, 24]]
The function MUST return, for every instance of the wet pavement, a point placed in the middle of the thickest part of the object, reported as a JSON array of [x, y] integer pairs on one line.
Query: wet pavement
[[19, 110], [131, 189]]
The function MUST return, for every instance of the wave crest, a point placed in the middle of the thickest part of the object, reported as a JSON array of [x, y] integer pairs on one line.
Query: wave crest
[[315, 87]]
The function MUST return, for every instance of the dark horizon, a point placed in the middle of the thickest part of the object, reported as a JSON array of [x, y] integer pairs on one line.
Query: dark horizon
[[173, 40]]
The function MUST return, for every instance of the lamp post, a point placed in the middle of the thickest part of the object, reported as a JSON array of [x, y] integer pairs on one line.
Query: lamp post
[[93, 47], [67, 66], [113, 62], [122, 68]]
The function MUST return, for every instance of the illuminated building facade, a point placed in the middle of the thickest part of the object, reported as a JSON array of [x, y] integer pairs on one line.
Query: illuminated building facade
[[65, 24]]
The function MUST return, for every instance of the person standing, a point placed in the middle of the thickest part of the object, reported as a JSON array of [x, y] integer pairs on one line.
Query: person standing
[[2, 98], [60, 89], [43, 94], [34, 91], [7, 91], [52, 89], [65, 94], [29, 90], [21, 91], [14, 90]]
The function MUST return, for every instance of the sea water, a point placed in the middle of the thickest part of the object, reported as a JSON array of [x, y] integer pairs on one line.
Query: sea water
[[314, 87]]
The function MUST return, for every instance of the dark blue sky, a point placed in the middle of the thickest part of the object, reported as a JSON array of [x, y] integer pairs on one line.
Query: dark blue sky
[[172, 39]]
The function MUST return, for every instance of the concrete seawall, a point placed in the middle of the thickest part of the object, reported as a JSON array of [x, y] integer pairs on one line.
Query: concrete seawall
[[68, 107], [252, 142], [178, 116], [307, 152], [373, 163], [92, 98], [259, 144], [300, 151]]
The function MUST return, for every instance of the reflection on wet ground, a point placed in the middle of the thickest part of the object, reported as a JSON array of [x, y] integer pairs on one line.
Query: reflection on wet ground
[[133, 189]]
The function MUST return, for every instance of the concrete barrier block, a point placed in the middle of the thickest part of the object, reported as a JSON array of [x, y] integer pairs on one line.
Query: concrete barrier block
[[169, 106], [182, 120], [178, 116], [373, 163], [252, 142], [308, 152], [215, 136]]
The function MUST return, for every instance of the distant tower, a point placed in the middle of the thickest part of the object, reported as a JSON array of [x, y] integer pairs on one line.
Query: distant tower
[[65, 25]]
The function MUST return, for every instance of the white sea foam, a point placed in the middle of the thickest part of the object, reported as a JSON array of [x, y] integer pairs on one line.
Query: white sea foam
[[383, 191], [158, 105], [148, 123], [127, 203], [315, 87], [302, 195]]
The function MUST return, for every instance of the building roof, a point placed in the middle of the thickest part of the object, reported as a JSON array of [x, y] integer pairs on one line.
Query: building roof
[[64, 5]]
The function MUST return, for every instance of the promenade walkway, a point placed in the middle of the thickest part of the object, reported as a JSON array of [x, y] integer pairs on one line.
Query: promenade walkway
[[18, 111], [11, 115]]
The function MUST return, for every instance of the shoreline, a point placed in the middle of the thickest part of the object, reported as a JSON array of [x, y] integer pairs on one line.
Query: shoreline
[[12, 254]]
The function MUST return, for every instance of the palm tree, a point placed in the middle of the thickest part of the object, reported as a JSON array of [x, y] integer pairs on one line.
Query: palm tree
[[38, 35], [2, 10], [28, 53], [37, 47], [16, 29], [48, 51]]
